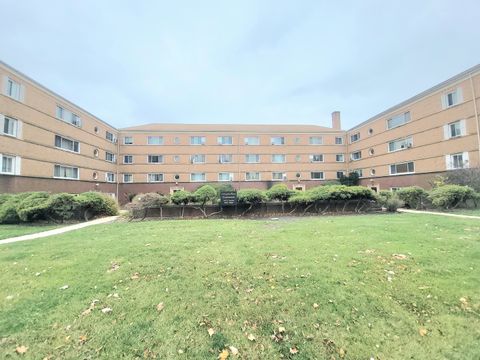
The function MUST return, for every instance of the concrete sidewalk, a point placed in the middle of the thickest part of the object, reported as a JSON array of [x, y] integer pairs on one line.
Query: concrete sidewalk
[[61, 230], [438, 213]]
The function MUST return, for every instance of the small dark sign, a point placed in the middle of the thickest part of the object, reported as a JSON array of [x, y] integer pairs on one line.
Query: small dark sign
[[228, 198]]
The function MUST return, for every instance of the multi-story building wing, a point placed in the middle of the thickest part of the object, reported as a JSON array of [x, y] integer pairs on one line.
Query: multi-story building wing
[[48, 143]]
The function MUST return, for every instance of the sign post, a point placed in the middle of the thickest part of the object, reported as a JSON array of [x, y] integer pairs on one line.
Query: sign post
[[228, 198]]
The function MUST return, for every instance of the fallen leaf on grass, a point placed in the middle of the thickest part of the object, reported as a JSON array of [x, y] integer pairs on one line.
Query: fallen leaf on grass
[[82, 339], [341, 352], [293, 350], [106, 310], [400, 256], [21, 349], [135, 276], [233, 350], [422, 331], [316, 306], [223, 355], [160, 306], [281, 329], [64, 287], [211, 331], [251, 337], [114, 267]]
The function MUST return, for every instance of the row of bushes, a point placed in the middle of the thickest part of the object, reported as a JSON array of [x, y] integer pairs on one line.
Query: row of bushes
[[442, 197], [35, 206]]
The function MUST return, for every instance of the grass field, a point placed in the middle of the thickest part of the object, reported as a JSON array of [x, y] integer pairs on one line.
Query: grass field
[[311, 288], [7, 231], [472, 212]]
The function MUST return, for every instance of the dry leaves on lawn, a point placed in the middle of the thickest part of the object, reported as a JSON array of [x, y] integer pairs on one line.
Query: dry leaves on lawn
[[21, 349], [251, 337], [106, 310], [422, 331], [293, 350], [223, 355], [211, 331], [160, 306], [135, 276], [233, 350]]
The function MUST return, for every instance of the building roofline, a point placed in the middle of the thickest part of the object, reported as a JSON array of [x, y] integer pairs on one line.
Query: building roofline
[[454, 79], [36, 83]]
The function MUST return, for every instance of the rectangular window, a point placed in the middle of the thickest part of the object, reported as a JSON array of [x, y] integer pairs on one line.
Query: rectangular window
[[156, 177], [316, 158], [197, 159], [340, 158], [354, 137], [128, 159], [110, 137], [225, 140], [398, 120], [277, 140], [155, 140], [359, 172], [127, 178], [278, 176], [252, 140], [10, 126], [403, 168], [252, 176], [315, 140], [13, 89], [195, 177], [128, 140], [457, 161], [155, 159], [278, 158], [338, 140], [340, 174], [400, 144], [68, 116], [452, 98], [65, 172], [225, 176], [298, 158], [7, 164], [110, 157], [252, 158], [197, 140], [225, 158], [316, 175], [357, 155], [67, 144], [455, 129], [109, 177]]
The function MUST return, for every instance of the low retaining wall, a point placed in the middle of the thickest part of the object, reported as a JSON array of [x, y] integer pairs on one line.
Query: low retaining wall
[[256, 211]]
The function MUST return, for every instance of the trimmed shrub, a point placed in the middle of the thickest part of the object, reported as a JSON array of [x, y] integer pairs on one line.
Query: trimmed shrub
[[33, 207], [451, 196], [4, 198], [279, 192], [181, 197], [301, 198], [383, 196], [204, 194], [8, 210], [251, 196], [414, 197], [94, 203], [393, 203], [149, 201], [62, 207]]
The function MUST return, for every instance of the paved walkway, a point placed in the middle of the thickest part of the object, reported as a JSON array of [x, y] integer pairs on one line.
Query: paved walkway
[[59, 230], [439, 213]]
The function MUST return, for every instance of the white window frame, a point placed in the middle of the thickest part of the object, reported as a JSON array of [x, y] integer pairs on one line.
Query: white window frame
[[107, 177], [247, 173], [283, 161], [356, 136], [125, 140], [65, 139], [402, 173], [128, 175], [252, 162], [17, 126], [340, 172], [201, 173], [150, 175], [282, 177], [402, 119], [322, 176], [456, 93], [66, 167], [197, 140], [127, 162], [315, 140], [339, 138], [342, 156], [156, 137], [312, 158], [405, 143], [113, 157], [447, 133], [150, 157], [198, 159], [359, 172], [68, 116], [221, 140], [248, 140], [223, 160], [16, 164], [450, 162], [229, 176], [356, 152], [273, 140], [10, 85]]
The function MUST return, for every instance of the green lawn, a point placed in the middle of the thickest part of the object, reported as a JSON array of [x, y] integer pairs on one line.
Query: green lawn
[[7, 231], [472, 212], [247, 278]]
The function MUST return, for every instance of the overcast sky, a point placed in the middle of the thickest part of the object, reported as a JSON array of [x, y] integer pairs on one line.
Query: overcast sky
[[246, 61]]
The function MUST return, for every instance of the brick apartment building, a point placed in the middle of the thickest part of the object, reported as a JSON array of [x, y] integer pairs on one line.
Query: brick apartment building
[[48, 143]]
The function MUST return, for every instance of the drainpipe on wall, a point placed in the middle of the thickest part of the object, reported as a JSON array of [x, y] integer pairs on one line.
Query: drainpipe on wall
[[118, 161], [477, 121]]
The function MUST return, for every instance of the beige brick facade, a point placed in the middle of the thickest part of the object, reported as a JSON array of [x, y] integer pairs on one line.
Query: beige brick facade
[[48, 143]]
